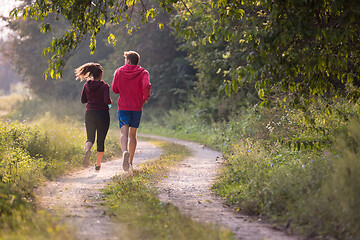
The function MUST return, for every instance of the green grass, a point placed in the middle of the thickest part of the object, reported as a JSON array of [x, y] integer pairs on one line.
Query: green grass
[[31, 153], [180, 125], [132, 199], [29, 223]]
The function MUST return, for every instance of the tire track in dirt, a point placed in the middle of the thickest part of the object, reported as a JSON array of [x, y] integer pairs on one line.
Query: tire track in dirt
[[188, 187], [76, 197]]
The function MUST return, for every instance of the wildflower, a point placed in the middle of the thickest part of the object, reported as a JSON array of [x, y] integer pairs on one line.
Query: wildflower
[[271, 165], [312, 160], [303, 166]]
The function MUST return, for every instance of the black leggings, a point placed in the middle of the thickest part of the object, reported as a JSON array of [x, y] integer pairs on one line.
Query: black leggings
[[97, 121]]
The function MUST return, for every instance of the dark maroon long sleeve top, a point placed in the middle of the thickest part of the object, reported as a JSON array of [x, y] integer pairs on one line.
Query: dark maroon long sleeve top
[[96, 94]]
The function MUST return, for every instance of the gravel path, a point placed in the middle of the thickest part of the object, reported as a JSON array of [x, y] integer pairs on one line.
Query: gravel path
[[76, 197], [188, 188]]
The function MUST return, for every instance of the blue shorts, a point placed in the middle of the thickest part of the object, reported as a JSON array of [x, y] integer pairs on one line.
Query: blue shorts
[[129, 117]]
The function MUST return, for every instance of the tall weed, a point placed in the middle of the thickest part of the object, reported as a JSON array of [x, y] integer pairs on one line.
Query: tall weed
[[20, 173], [338, 202]]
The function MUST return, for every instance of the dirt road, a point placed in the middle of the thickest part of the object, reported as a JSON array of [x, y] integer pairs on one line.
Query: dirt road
[[188, 188], [76, 196]]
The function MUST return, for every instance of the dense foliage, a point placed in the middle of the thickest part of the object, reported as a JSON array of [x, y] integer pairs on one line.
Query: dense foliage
[[84, 18], [170, 73], [24, 51], [293, 51], [303, 47]]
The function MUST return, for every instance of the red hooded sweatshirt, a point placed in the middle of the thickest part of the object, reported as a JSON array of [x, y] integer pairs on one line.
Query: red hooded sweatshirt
[[96, 94], [132, 84]]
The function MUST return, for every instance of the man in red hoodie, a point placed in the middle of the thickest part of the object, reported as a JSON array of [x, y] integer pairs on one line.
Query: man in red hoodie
[[132, 84]]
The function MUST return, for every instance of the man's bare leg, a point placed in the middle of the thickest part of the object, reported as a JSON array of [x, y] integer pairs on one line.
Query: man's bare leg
[[124, 130], [132, 143]]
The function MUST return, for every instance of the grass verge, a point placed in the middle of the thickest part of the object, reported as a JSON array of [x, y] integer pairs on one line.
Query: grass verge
[[132, 199], [31, 153]]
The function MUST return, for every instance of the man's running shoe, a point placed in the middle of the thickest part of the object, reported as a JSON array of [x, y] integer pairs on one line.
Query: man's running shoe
[[126, 161]]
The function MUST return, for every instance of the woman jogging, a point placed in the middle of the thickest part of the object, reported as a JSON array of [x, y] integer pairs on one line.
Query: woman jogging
[[96, 93]]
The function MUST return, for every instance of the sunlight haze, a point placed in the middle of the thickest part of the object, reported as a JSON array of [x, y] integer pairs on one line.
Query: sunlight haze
[[5, 7]]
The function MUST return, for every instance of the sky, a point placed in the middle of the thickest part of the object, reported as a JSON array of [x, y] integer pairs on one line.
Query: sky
[[5, 7]]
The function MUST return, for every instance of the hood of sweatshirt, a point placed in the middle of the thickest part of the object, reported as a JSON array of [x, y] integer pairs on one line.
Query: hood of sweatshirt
[[94, 85], [131, 71]]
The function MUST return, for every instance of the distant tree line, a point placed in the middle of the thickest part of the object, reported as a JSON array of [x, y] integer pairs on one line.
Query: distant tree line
[[8, 75]]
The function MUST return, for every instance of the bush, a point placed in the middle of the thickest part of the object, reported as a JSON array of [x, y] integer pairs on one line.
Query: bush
[[338, 202]]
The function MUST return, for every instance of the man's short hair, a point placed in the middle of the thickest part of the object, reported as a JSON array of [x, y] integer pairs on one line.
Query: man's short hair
[[133, 56]]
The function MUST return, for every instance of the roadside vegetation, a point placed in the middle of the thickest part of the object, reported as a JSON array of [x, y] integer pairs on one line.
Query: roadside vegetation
[[300, 175], [31, 153]]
